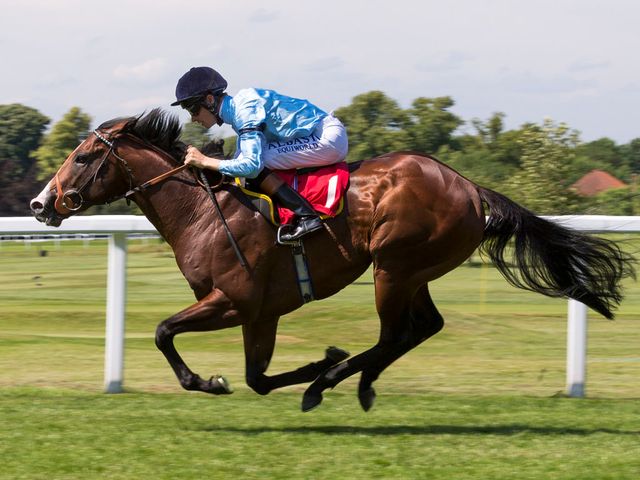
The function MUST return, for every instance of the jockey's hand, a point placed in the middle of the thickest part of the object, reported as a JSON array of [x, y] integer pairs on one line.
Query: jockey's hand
[[195, 158]]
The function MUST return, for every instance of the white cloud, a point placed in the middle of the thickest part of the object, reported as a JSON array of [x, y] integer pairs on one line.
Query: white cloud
[[143, 71], [262, 15], [589, 66], [488, 56], [324, 64], [447, 62]]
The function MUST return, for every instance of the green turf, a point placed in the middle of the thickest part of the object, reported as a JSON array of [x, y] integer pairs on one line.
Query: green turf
[[476, 401], [73, 434]]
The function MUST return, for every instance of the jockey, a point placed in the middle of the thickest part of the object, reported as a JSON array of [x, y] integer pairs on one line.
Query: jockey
[[274, 132]]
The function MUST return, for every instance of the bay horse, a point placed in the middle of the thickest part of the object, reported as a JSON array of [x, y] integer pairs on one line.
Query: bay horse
[[410, 215]]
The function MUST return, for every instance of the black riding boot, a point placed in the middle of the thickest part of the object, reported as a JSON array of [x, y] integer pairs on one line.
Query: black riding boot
[[307, 219]]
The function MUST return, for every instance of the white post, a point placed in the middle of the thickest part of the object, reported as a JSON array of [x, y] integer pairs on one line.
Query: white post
[[576, 348], [116, 296]]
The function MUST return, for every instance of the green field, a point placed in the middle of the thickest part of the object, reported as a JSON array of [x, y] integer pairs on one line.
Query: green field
[[482, 399]]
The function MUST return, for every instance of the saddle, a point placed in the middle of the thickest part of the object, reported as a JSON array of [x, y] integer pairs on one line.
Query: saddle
[[323, 187]]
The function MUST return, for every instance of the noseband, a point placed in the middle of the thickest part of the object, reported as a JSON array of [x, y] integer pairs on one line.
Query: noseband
[[72, 200], [74, 196]]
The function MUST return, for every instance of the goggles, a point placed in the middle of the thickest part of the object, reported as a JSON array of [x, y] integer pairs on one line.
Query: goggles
[[193, 106]]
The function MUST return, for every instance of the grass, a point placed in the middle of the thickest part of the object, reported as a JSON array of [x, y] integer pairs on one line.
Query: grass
[[73, 434], [479, 400]]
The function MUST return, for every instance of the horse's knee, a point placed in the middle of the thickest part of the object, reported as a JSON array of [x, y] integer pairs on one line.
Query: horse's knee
[[424, 328], [163, 335], [436, 324], [258, 382]]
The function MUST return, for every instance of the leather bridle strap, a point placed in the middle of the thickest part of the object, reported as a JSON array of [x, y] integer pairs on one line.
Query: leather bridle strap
[[149, 183], [71, 200], [155, 180], [76, 203]]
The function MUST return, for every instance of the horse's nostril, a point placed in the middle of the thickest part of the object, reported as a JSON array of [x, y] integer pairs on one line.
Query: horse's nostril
[[36, 206]]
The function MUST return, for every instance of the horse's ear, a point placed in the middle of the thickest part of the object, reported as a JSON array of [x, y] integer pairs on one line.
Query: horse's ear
[[214, 148], [130, 124]]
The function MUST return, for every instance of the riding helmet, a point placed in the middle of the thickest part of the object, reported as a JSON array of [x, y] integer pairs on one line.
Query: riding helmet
[[199, 81]]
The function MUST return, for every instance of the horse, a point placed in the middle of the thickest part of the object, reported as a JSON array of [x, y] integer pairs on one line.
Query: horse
[[410, 215]]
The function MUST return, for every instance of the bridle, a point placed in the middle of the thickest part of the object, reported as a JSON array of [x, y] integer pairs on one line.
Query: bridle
[[72, 200], [74, 196]]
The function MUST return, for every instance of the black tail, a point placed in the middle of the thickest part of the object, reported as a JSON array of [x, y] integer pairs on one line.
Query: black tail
[[554, 260]]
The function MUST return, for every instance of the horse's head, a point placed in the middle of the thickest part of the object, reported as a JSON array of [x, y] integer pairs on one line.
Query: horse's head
[[98, 171], [92, 174]]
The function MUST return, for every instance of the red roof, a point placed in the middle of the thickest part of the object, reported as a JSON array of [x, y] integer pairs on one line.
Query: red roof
[[596, 181]]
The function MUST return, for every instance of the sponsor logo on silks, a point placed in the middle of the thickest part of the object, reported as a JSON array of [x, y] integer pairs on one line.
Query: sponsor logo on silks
[[297, 144]]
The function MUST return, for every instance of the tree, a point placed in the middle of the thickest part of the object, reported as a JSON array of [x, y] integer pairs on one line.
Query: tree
[[21, 129], [616, 201], [374, 123], [198, 136], [64, 137], [479, 165], [631, 155], [504, 147], [541, 184], [430, 126], [489, 157], [230, 146], [195, 134]]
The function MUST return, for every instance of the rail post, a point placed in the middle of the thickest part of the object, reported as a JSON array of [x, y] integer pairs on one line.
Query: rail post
[[576, 348], [116, 298]]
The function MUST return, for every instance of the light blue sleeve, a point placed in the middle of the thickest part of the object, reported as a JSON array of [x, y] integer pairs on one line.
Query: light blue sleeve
[[248, 114], [249, 162]]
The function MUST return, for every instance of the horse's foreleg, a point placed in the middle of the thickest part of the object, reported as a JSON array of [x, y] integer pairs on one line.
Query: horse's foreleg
[[213, 312], [259, 342]]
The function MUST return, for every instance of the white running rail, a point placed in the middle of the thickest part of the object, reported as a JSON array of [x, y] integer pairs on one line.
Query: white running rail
[[117, 226]]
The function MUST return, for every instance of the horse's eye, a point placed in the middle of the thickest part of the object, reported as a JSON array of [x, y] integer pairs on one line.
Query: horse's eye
[[81, 158]]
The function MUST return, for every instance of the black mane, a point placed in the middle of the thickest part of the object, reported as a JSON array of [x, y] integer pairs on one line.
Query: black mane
[[162, 129], [159, 128]]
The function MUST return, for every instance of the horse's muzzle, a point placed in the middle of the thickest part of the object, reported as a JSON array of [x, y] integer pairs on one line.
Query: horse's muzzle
[[42, 208]]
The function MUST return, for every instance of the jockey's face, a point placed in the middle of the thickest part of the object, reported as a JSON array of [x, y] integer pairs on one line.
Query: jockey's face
[[202, 115]]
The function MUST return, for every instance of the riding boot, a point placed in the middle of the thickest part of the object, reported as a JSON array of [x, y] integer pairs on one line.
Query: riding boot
[[307, 219]]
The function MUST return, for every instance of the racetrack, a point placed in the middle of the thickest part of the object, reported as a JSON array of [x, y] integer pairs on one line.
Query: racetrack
[[476, 401]]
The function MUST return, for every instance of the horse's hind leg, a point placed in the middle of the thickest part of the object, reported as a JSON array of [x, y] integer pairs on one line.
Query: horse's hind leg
[[425, 320], [259, 342], [393, 302]]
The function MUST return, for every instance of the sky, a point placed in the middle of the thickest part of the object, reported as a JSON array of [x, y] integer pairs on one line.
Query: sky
[[573, 61]]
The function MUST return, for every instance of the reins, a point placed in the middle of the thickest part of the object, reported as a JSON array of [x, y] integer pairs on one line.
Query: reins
[[77, 201], [227, 230], [155, 181]]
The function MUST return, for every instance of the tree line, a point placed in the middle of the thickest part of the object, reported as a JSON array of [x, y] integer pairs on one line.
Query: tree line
[[535, 164]]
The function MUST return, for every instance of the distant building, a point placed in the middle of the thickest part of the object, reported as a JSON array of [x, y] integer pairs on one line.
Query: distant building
[[595, 182]]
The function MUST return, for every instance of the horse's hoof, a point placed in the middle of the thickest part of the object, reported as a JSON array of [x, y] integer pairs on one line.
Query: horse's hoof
[[311, 401], [367, 398], [336, 355], [220, 385]]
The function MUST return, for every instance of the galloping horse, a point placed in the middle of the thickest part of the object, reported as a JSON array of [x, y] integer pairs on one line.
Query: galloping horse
[[411, 216]]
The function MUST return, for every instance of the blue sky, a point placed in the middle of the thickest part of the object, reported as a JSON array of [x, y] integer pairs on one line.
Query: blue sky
[[573, 61]]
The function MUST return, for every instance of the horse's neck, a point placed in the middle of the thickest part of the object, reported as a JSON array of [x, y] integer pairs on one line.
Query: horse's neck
[[175, 205]]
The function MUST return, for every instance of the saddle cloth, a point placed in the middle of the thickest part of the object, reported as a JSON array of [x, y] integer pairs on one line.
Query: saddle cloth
[[323, 187]]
